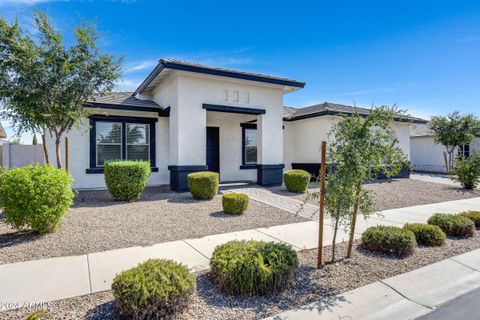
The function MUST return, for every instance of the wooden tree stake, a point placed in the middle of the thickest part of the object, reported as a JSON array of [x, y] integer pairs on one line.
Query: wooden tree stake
[[322, 205], [66, 154]]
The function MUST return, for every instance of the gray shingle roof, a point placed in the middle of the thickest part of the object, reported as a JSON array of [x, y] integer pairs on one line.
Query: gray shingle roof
[[123, 98], [328, 108]]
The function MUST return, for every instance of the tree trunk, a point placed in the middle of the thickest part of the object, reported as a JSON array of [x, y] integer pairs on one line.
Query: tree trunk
[[58, 151], [45, 151], [334, 239], [354, 222]]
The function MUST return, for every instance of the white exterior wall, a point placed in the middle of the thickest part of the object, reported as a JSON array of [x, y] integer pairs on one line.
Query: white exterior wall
[[428, 155], [185, 93], [79, 151], [231, 145], [303, 138]]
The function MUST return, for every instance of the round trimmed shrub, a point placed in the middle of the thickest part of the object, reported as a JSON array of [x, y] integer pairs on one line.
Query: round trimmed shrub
[[154, 289], [203, 185], [296, 180], [126, 180], [246, 268], [472, 215], [234, 203], [453, 225], [389, 240], [427, 234], [36, 197]]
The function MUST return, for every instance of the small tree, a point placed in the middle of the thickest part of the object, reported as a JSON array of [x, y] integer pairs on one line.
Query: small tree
[[359, 149], [34, 140], [44, 84], [454, 131]]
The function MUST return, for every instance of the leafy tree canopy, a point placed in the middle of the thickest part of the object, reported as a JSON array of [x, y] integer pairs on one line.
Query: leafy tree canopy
[[44, 83]]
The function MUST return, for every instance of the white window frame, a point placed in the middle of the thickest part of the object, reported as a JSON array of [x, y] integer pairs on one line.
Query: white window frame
[[137, 144], [245, 146], [108, 144]]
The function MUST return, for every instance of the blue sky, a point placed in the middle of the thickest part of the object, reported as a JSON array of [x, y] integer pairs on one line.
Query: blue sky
[[422, 55]]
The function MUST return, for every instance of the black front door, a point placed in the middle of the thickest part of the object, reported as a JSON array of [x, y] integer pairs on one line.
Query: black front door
[[213, 149]]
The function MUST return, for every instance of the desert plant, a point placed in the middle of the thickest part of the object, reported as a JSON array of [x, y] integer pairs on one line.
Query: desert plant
[[466, 170], [296, 180], [234, 203], [203, 185], [453, 225], [453, 131], [154, 289], [389, 240], [36, 197], [472, 215], [126, 180], [39, 315], [427, 234], [247, 268]]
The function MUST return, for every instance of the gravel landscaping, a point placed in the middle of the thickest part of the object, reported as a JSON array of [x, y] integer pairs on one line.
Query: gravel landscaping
[[400, 193], [311, 285], [98, 223]]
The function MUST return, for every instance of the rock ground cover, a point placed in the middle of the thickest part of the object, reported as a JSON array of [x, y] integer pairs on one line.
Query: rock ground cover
[[98, 223], [310, 285], [399, 193]]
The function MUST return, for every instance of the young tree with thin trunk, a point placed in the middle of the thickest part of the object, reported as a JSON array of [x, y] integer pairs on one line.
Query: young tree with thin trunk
[[359, 148], [44, 83], [454, 131]]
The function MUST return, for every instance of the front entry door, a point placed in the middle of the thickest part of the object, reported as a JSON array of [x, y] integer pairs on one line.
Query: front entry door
[[213, 149]]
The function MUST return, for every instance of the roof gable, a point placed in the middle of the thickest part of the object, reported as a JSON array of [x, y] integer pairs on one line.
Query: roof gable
[[180, 65]]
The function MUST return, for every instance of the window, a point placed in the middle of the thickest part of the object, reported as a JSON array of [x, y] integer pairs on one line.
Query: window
[[108, 142], [249, 149], [464, 150], [138, 142], [117, 138]]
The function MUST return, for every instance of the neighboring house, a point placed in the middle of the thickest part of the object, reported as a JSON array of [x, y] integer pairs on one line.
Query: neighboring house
[[186, 117], [428, 156]]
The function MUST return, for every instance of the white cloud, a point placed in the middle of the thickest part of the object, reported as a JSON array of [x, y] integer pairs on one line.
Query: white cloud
[[26, 2], [139, 65]]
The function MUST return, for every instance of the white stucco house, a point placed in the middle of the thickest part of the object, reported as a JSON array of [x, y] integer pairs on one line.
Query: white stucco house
[[428, 156], [185, 117]]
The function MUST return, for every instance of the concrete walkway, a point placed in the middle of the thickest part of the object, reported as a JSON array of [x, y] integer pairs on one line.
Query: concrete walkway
[[294, 206], [442, 179], [406, 296], [57, 278]]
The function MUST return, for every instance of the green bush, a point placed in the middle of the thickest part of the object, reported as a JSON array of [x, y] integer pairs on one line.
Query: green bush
[[466, 170], [246, 268], [235, 203], [126, 180], [296, 180], [154, 289], [36, 197], [389, 240], [472, 215], [427, 234], [40, 315], [453, 225], [203, 185]]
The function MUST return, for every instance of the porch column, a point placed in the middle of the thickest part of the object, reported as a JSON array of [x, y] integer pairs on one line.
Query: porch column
[[269, 149], [187, 143]]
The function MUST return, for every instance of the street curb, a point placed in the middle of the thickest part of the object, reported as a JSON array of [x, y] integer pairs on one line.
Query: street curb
[[405, 296]]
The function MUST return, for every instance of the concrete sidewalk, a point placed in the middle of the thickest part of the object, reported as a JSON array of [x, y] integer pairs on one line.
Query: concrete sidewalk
[[58, 278], [406, 296]]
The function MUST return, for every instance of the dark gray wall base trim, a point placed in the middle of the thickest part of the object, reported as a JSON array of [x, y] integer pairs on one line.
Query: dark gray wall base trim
[[248, 166], [312, 168], [269, 175], [100, 170], [178, 176]]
